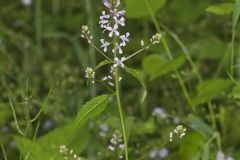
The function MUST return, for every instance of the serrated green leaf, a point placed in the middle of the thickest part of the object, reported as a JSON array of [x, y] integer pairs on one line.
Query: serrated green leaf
[[210, 89], [91, 109], [221, 9], [103, 63], [60, 136], [157, 66], [138, 8], [139, 76], [198, 124]]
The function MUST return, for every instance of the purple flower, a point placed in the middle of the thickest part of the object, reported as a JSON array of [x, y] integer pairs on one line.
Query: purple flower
[[124, 39], [119, 62], [104, 45]]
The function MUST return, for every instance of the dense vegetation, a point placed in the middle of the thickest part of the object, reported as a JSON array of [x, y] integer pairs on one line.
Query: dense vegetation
[[51, 110]]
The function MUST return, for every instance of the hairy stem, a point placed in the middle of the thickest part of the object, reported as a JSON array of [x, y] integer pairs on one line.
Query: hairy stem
[[120, 105]]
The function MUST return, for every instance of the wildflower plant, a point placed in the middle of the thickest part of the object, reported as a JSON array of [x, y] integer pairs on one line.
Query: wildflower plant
[[112, 48]]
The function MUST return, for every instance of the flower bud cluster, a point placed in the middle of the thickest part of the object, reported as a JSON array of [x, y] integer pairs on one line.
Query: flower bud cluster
[[90, 75], [156, 38], [116, 142], [68, 154], [178, 132], [86, 33]]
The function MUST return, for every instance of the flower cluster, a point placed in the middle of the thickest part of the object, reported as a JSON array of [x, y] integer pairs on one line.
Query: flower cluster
[[90, 74], [178, 132], [116, 142], [221, 156], [68, 154], [86, 33], [156, 38], [110, 21]]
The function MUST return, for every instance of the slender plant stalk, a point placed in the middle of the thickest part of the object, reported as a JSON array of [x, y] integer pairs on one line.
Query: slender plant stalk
[[169, 53], [4, 152], [232, 52], [137, 52], [120, 105], [212, 115], [26, 108], [15, 117], [43, 106], [38, 25], [101, 52], [36, 130], [91, 50]]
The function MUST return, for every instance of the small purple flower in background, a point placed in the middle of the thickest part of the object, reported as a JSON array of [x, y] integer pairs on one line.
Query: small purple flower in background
[[159, 113], [158, 153], [48, 124], [221, 156], [103, 129], [27, 2], [163, 153]]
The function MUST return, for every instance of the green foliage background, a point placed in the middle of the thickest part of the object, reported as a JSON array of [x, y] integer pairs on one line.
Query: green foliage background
[[42, 66]]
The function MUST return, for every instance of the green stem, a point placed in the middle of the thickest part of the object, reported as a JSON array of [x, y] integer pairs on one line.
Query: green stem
[[121, 115], [101, 52], [120, 105], [232, 53], [137, 52], [38, 25], [15, 117], [212, 115], [4, 152], [170, 56], [91, 50]]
